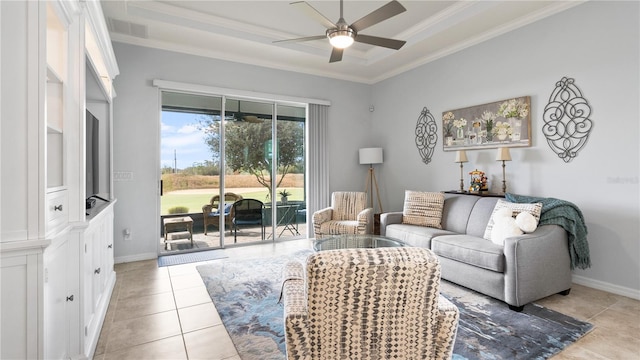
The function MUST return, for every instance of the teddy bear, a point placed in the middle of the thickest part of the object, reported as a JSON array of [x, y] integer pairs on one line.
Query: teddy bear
[[505, 225]]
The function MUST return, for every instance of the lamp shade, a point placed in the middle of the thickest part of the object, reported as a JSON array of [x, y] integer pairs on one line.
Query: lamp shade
[[461, 156], [371, 156], [503, 154]]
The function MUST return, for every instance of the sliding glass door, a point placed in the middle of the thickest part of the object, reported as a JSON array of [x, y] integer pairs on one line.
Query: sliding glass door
[[245, 168]]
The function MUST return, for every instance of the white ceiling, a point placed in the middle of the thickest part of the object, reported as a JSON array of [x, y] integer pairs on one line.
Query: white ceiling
[[244, 31]]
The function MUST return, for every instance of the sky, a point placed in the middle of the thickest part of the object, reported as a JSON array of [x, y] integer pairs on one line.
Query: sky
[[179, 132]]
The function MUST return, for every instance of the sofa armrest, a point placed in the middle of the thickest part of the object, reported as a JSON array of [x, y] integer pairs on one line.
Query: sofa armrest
[[319, 217], [537, 265], [448, 316], [388, 219], [365, 221], [295, 309]]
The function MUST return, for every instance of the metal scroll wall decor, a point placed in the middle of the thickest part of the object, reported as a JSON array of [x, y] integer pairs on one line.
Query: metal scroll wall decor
[[426, 135], [566, 120]]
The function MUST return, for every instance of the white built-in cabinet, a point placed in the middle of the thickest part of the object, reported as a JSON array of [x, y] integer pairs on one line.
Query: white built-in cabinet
[[56, 257]]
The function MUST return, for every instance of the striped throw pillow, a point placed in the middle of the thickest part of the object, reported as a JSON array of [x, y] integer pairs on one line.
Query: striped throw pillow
[[423, 208]]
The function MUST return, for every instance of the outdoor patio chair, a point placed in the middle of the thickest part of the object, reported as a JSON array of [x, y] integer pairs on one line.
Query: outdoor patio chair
[[211, 211], [247, 212], [362, 304], [348, 214]]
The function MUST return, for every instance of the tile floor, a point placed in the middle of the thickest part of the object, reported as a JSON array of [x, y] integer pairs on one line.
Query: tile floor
[[166, 313]]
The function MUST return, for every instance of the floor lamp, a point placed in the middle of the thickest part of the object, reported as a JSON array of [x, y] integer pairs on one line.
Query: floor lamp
[[503, 155], [372, 156]]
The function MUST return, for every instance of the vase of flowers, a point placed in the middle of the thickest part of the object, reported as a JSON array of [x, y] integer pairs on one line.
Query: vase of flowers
[[447, 125], [513, 111], [488, 117], [459, 124], [501, 130]]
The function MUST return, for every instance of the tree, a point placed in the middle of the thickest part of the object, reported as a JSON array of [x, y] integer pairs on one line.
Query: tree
[[247, 147]]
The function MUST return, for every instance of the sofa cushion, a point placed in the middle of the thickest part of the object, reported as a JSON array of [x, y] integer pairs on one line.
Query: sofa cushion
[[480, 215], [517, 208], [413, 235], [470, 250], [456, 211], [423, 208]]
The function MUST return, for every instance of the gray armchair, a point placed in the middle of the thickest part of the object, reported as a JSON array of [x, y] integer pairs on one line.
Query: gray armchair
[[348, 214], [368, 304]]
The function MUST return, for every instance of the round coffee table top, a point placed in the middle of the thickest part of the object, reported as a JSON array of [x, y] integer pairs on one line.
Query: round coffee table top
[[356, 241]]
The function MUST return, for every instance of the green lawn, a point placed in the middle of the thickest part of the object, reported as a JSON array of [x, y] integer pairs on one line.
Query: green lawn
[[195, 201]]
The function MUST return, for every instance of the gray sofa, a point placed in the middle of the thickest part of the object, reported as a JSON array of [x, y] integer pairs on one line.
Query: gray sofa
[[527, 268]]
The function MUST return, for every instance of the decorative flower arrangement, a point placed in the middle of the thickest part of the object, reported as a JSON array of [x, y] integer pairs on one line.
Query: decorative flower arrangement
[[460, 123], [502, 128], [284, 193], [488, 117], [448, 125], [513, 109]]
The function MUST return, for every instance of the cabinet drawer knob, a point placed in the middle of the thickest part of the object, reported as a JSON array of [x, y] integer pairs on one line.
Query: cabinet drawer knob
[[109, 246], [57, 207], [70, 298], [97, 271]]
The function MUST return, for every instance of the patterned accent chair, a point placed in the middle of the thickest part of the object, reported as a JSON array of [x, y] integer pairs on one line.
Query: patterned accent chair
[[379, 303], [348, 214], [211, 211]]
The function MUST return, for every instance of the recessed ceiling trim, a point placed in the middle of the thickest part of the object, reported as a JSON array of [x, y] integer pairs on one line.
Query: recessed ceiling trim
[[223, 26], [482, 37]]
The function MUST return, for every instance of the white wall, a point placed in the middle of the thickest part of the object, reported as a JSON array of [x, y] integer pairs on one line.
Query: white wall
[[136, 129], [596, 44]]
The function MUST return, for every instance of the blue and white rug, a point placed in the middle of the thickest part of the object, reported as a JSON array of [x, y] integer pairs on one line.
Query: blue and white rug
[[246, 294]]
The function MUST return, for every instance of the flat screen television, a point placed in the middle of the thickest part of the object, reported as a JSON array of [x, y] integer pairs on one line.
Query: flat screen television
[[92, 155]]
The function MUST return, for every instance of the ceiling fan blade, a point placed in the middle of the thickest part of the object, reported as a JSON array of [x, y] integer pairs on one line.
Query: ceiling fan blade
[[314, 14], [336, 55], [391, 9], [380, 41], [306, 38]]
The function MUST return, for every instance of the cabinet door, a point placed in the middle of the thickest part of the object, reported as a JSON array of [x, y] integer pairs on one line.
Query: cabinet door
[[56, 296], [73, 289], [90, 320]]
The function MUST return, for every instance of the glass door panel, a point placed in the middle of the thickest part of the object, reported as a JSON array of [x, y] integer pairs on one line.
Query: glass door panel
[[248, 134], [190, 169], [290, 170]]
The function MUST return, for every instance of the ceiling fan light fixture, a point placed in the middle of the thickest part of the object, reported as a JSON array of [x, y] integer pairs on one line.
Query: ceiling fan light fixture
[[341, 39]]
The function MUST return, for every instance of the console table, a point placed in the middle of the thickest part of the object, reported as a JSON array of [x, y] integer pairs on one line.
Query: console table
[[481, 193]]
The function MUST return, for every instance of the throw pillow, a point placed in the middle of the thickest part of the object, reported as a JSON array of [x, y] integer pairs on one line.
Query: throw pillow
[[516, 208], [526, 222], [504, 227], [423, 208]]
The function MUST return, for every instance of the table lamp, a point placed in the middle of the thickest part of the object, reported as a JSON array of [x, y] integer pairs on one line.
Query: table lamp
[[371, 156], [503, 155], [461, 157]]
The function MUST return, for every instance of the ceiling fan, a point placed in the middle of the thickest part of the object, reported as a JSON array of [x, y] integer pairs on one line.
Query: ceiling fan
[[244, 117], [341, 35]]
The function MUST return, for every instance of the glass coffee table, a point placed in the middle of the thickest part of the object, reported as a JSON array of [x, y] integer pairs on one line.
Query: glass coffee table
[[356, 242]]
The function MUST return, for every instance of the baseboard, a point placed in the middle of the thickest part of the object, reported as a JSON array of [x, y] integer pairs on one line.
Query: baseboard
[[138, 257], [605, 286]]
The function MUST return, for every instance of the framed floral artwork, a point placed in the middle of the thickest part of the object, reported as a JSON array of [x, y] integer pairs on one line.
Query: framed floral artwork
[[504, 123]]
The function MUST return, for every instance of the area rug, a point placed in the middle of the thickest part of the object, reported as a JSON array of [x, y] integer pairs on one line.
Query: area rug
[[246, 294], [191, 257]]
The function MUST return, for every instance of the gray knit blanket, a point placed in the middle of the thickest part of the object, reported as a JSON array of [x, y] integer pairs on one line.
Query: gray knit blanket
[[569, 217]]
